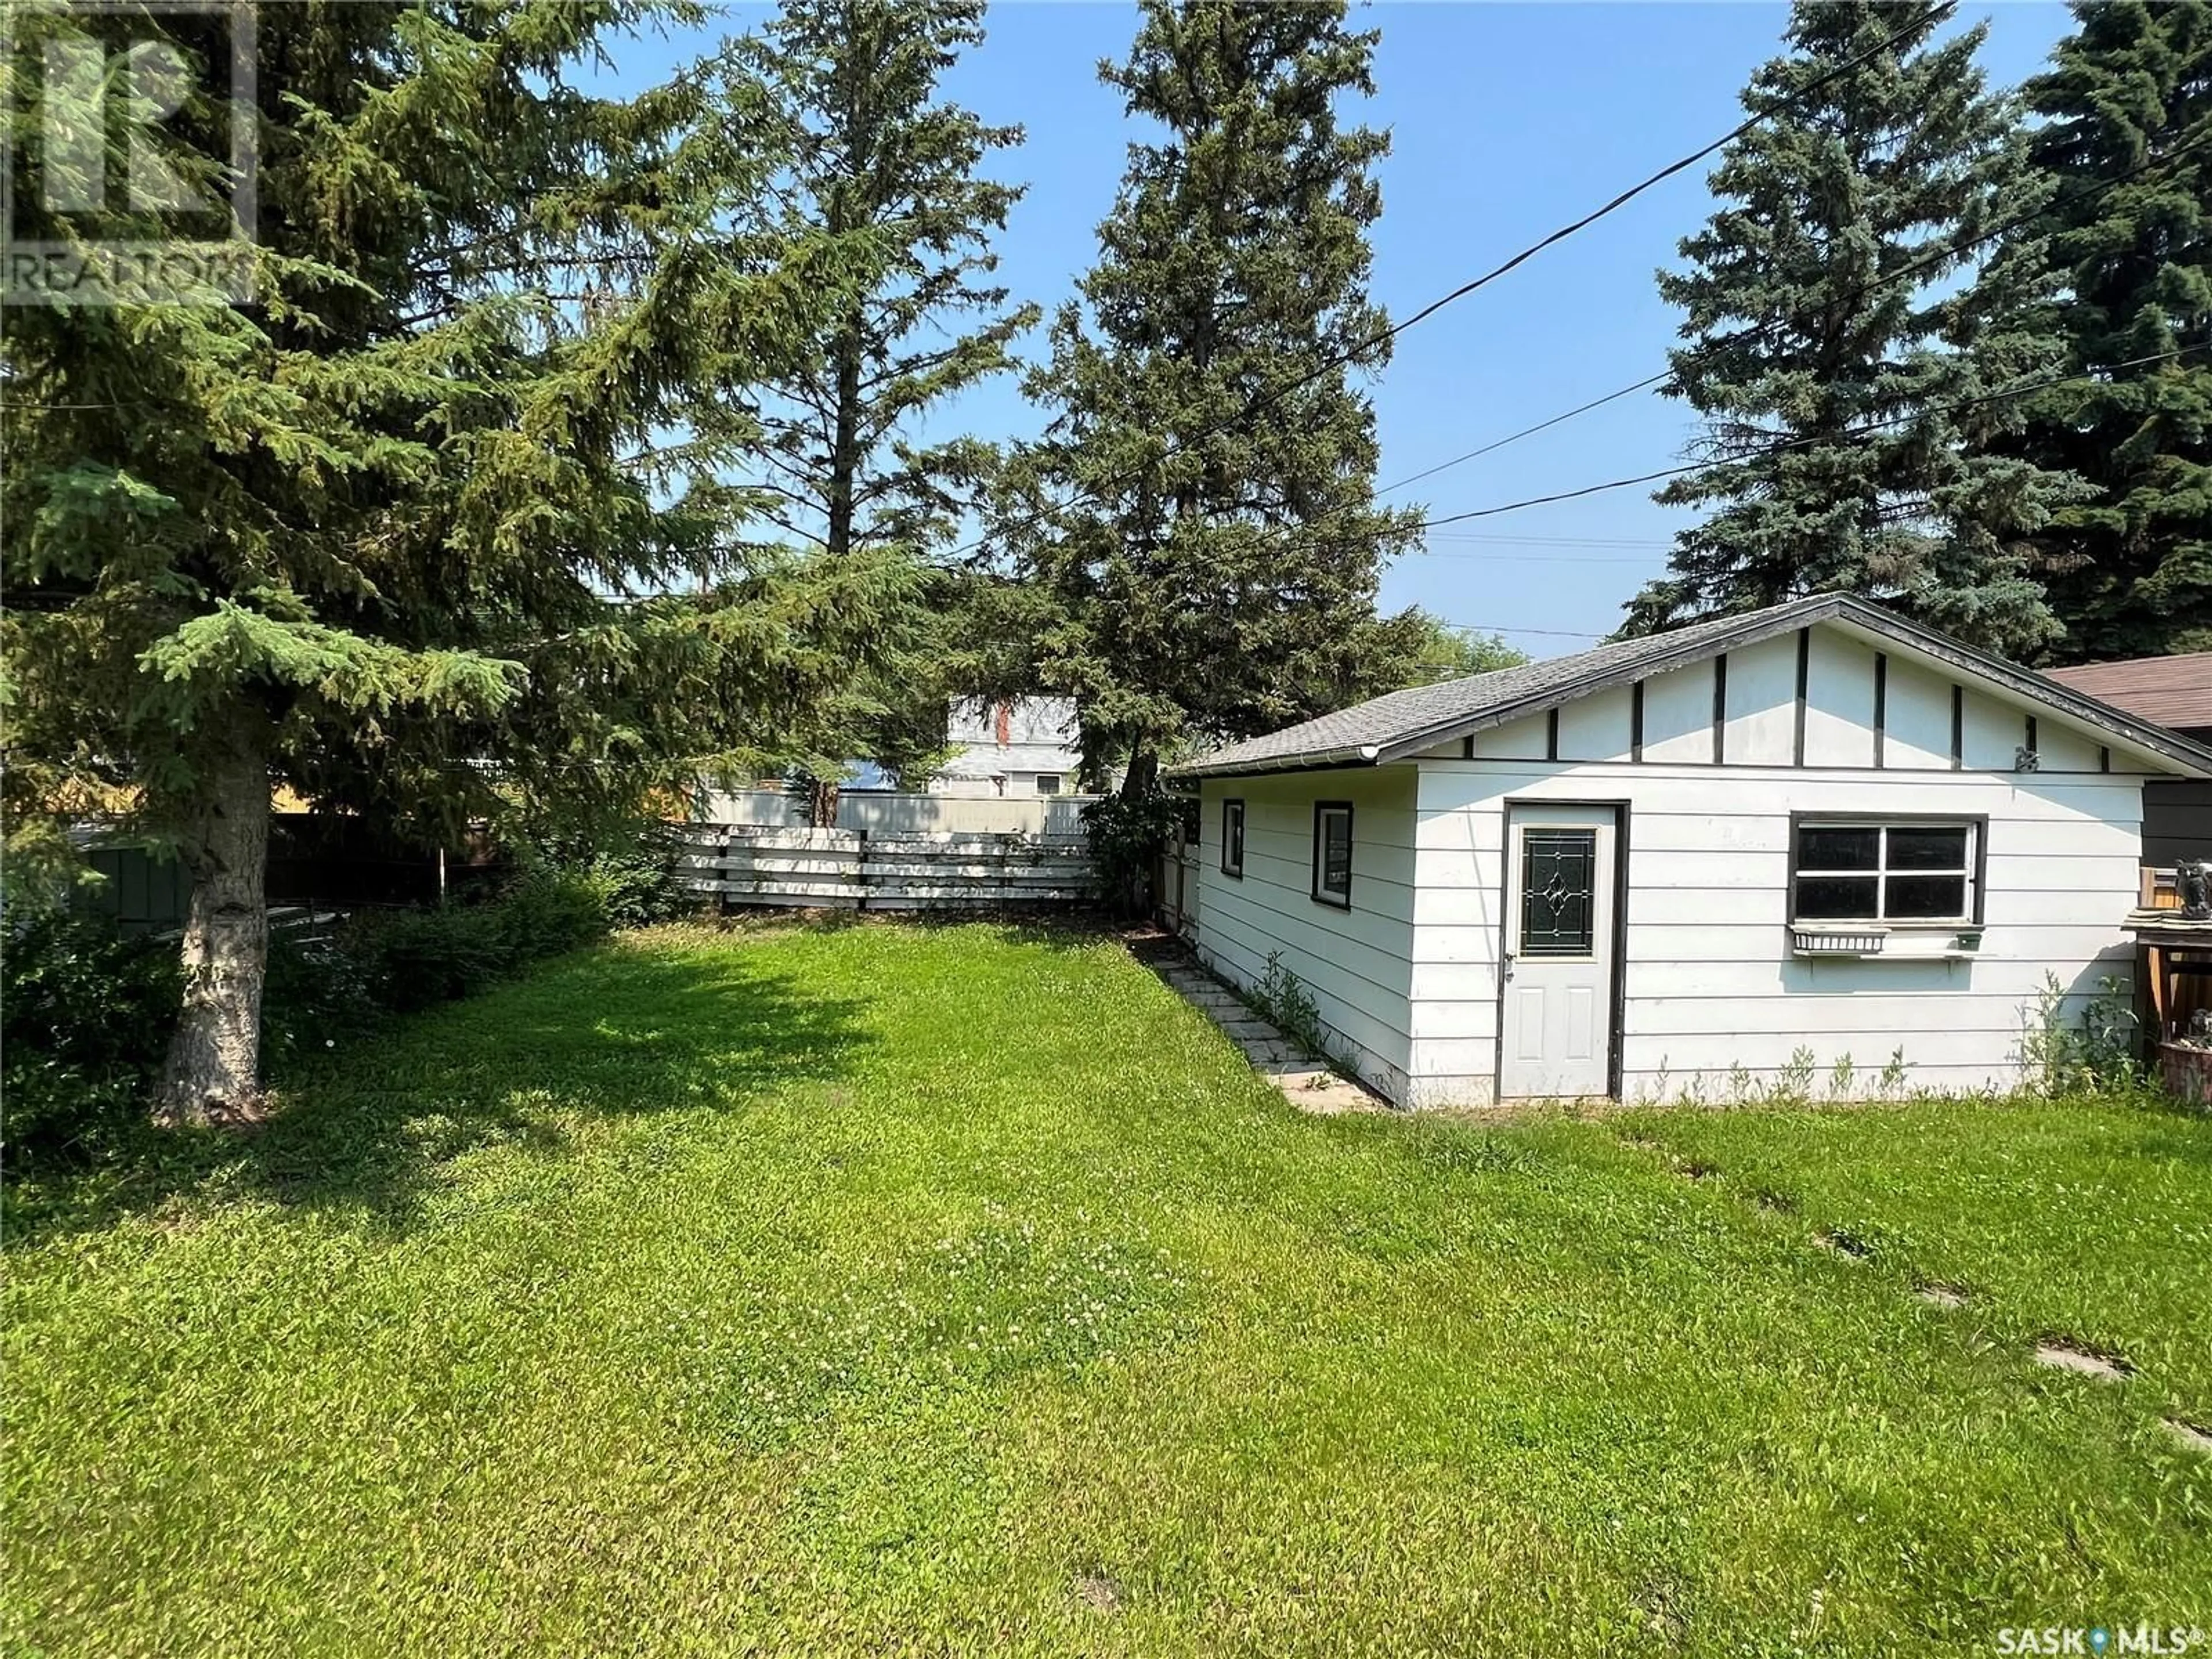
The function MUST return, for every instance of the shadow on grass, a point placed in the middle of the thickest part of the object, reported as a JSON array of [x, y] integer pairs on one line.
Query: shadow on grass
[[616, 1032]]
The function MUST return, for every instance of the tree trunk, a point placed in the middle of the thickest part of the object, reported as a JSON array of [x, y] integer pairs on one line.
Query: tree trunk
[[845, 442], [1143, 775], [212, 1075]]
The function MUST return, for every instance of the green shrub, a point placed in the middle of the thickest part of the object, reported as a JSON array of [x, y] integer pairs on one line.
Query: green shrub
[[632, 865], [400, 960], [85, 1018], [551, 911], [318, 996], [1127, 834], [86, 1015], [2092, 1052]]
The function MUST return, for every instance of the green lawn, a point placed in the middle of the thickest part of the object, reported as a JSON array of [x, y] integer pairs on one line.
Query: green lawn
[[874, 1288]]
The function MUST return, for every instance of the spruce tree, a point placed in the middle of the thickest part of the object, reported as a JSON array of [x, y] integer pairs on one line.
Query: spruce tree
[[2131, 566], [1836, 453], [886, 169], [882, 164], [396, 533], [1201, 512]]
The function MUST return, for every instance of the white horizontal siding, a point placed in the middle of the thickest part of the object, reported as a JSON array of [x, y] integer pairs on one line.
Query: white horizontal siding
[[1709, 867], [1355, 963], [1710, 984]]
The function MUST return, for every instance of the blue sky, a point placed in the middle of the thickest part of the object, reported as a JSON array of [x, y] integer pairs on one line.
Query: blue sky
[[1507, 121]]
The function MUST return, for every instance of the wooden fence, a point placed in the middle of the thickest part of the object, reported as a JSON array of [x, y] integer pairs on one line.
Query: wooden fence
[[894, 812], [849, 869], [1175, 885]]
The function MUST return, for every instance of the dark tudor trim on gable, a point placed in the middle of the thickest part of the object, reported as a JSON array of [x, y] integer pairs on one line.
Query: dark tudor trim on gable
[[1632, 662]]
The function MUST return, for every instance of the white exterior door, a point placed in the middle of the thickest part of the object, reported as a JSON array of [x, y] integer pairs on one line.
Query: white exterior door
[[1555, 1036]]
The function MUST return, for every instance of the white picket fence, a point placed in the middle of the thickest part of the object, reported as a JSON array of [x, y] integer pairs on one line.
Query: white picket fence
[[850, 870]]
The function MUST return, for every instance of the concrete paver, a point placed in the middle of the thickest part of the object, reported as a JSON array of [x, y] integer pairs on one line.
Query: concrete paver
[[1307, 1080]]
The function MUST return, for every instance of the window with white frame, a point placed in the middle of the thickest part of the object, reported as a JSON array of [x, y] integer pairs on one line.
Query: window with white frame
[[1332, 854], [1884, 870], [1232, 838]]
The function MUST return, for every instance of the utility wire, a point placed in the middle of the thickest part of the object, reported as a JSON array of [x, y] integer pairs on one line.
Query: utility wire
[[1937, 256], [2013, 391], [1500, 628], [1262, 399], [2018, 389], [1543, 558], [1525, 431], [1620, 201], [1559, 541]]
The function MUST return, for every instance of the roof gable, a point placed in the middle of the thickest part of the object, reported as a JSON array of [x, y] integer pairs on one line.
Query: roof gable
[[1403, 723]]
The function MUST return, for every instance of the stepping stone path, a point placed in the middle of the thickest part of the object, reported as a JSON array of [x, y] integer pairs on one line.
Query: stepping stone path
[[2189, 1435], [1306, 1080], [1095, 1589], [2060, 1357]]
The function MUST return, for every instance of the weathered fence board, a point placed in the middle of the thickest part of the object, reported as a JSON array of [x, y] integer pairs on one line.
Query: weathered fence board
[[748, 865], [896, 812], [1175, 885]]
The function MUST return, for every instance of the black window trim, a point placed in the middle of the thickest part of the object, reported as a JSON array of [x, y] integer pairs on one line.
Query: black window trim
[[1334, 902], [1976, 875], [1235, 869]]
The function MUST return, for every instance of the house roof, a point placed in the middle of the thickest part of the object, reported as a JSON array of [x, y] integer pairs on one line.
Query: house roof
[[989, 760], [2175, 691], [1403, 723]]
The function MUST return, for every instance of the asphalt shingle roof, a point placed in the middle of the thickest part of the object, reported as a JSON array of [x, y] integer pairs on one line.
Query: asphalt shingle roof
[[1386, 721], [2171, 690], [1390, 728]]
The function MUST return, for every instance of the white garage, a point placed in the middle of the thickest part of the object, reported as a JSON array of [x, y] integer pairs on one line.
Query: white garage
[[1686, 865]]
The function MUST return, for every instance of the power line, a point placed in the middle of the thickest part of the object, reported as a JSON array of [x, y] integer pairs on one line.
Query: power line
[[1635, 191], [2016, 389], [1949, 251], [1557, 541], [1541, 558], [1330, 365], [1525, 431], [1502, 627], [1824, 437]]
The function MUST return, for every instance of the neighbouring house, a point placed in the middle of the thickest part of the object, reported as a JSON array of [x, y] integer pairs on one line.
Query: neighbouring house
[[1800, 844], [2175, 692], [1022, 747]]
